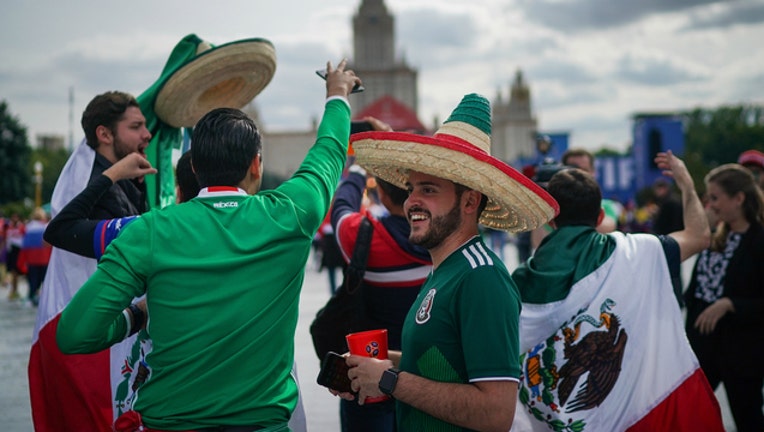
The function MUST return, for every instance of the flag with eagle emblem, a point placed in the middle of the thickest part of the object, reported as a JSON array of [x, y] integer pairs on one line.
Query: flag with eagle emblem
[[611, 355]]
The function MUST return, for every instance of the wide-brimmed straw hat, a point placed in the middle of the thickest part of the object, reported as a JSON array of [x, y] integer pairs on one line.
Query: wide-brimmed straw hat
[[224, 76], [460, 152]]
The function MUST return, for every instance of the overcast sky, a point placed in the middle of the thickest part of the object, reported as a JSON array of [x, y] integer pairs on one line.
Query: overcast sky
[[590, 64]]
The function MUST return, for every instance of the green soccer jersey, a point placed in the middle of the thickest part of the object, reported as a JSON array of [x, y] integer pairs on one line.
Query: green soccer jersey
[[462, 328], [222, 275]]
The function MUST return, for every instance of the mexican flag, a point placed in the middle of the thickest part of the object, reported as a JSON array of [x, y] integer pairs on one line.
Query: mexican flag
[[75, 392], [611, 353], [87, 392]]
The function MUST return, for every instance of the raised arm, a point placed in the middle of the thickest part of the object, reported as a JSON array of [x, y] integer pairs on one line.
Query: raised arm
[[349, 195], [71, 229], [696, 234], [312, 186]]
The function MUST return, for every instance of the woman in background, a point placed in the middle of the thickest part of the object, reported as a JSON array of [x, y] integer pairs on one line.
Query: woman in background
[[725, 299]]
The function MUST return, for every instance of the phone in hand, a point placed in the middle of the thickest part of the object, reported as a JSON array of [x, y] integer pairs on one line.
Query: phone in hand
[[358, 88], [334, 373], [360, 126]]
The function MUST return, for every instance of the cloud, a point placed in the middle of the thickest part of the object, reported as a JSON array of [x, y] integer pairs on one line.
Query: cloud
[[95, 75], [654, 71], [561, 70], [728, 15], [584, 15], [295, 94], [435, 37]]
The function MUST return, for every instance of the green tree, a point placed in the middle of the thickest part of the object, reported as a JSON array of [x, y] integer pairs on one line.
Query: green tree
[[718, 136], [715, 136], [15, 181]]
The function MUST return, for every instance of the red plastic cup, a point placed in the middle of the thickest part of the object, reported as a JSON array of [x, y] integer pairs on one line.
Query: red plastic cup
[[370, 343]]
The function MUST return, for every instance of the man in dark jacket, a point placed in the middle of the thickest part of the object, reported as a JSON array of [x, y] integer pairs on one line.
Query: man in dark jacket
[[114, 127]]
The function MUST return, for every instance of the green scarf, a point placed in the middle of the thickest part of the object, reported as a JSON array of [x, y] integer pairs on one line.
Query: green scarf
[[563, 258], [161, 187]]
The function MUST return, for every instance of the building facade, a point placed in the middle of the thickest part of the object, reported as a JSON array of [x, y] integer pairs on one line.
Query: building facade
[[374, 58], [392, 96], [514, 127]]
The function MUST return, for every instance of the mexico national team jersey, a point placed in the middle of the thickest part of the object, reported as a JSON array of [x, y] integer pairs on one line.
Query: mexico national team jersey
[[222, 275], [463, 327]]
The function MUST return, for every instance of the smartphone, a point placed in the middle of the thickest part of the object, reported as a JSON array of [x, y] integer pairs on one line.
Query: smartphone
[[360, 126], [334, 373], [357, 89]]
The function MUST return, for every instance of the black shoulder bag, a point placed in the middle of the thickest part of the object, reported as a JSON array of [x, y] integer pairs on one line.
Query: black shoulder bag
[[342, 313]]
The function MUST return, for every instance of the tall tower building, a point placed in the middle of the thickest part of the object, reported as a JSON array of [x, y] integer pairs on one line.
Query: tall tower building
[[374, 58], [514, 127]]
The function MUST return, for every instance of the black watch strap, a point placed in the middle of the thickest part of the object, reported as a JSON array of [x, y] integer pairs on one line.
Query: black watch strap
[[388, 381], [138, 318]]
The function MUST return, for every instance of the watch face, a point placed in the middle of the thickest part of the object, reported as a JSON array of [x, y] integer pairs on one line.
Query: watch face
[[388, 381]]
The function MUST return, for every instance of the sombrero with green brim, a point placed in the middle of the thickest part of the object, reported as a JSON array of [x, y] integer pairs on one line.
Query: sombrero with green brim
[[460, 151], [224, 76]]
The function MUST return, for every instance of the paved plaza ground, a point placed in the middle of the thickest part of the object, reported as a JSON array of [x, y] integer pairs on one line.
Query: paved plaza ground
[[17, 323]]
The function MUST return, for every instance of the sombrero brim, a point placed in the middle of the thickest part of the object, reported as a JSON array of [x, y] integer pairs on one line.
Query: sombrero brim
[[226, 76], [515, 202]]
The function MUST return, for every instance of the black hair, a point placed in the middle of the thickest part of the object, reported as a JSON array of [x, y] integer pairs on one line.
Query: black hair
[[460, 189], [397, 195], [223, 144], [106, 109], [578, 195], [185, 177]]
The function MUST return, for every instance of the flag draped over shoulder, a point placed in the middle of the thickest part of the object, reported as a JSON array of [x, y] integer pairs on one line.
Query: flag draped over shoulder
[[69, 392], [612, 355], [86, 392]]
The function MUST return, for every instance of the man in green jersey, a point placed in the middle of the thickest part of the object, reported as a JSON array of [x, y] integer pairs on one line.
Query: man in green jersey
[[458, 367], [222, 275]]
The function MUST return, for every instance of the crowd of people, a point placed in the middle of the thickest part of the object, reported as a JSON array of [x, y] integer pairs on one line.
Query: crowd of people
[[24, 254], [198, 301]]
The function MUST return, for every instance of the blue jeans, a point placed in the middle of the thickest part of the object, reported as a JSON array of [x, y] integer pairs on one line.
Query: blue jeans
[[373, 417]]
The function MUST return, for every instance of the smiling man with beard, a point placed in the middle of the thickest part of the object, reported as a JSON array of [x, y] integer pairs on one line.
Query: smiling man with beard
[[458, 368]]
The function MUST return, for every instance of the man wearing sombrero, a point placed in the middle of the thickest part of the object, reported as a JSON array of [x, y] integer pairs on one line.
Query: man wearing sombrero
[[459, 364]]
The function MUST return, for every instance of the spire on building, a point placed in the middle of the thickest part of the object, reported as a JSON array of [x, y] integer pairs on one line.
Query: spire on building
[[520, 90], [375, 61], [373, 36], [513, 124]]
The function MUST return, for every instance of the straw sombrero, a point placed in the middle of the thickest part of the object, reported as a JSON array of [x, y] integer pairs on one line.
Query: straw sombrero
[[460, 152], [225, 76]]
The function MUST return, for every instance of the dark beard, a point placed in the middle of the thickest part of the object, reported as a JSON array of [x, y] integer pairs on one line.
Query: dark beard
[[120, 149], [440, 228]]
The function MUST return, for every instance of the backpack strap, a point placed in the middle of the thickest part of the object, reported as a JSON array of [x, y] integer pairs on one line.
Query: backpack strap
[[357, 266]]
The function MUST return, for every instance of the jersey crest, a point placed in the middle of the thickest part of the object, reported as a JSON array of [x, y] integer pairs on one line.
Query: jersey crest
[[592, 351], [423, 313]]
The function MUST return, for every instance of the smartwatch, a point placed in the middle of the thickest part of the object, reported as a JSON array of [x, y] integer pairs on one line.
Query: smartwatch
[[388, 381]]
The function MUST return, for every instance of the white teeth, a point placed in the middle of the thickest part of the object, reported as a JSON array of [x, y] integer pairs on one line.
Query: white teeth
[[418, 217]]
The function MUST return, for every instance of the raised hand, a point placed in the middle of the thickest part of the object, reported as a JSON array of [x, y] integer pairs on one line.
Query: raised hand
[[131, 166], [674, 167], [340, 82]]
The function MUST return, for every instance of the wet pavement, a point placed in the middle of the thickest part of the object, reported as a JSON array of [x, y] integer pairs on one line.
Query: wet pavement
[[321, 408]]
